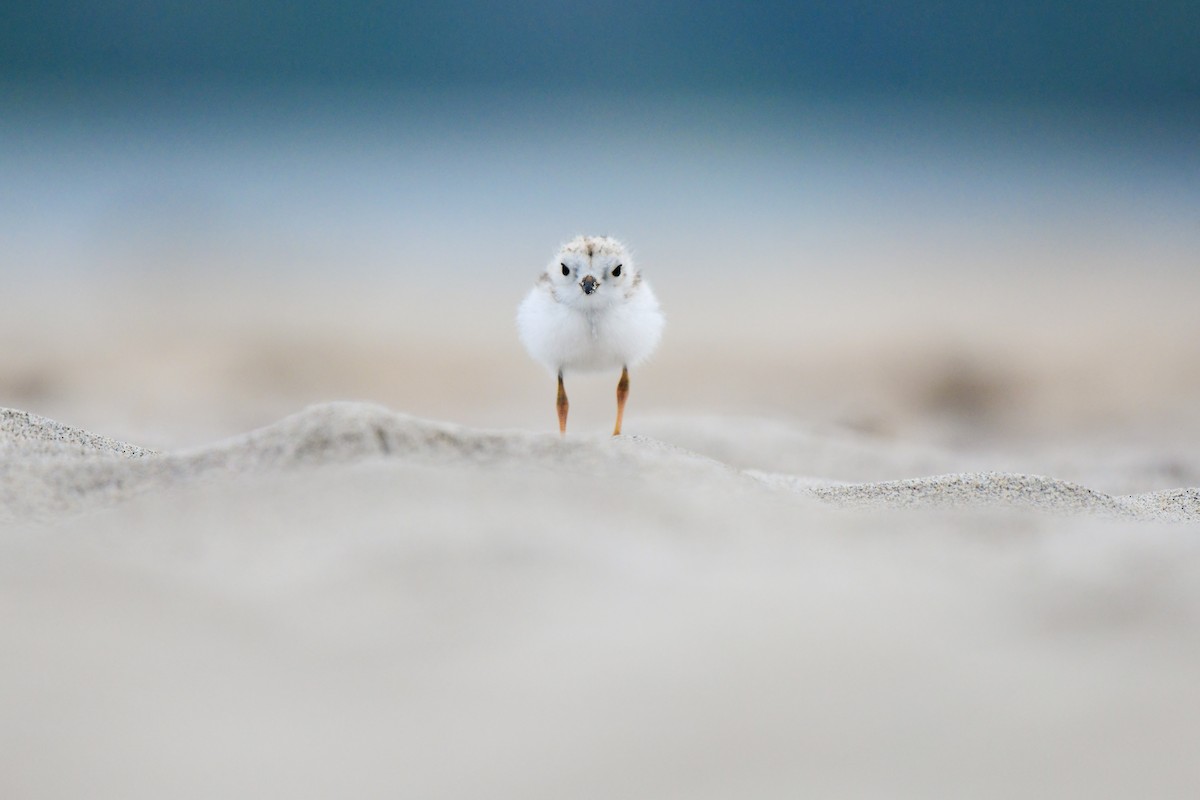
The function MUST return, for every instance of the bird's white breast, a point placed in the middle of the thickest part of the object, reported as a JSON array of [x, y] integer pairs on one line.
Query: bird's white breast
[[570, 338]]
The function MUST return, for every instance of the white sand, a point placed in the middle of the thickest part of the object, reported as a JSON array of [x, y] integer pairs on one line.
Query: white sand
[[353, 602], [52, 468]]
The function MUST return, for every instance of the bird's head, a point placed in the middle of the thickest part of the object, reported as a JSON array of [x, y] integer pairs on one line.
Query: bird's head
[[591, 272]]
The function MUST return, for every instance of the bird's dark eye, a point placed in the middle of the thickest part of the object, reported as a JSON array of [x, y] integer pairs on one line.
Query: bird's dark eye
[[617, 271], [566, 270]]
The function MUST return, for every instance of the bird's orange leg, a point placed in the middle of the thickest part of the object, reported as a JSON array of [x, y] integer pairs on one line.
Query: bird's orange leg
[[622, 393], [562, 407]]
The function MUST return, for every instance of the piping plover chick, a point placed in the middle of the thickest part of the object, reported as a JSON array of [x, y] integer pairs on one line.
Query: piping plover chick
[[590, 311]]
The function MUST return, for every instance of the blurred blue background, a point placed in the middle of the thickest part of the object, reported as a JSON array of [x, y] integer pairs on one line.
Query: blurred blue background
[[811, 164], [296, 135], [1111, 53]]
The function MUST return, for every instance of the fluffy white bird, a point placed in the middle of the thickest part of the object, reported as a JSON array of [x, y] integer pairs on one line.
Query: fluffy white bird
[[589, 311]]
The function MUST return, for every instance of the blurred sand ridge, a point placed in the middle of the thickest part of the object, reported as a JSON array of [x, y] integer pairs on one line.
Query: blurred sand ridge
[[944, 360]]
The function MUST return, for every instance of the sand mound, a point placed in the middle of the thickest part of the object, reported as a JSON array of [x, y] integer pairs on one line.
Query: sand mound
[[1007, 490], [26, 436], [48, 467], [41, 478]]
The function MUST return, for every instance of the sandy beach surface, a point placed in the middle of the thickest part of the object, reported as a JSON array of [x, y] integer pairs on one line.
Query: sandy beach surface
[[357, 602]]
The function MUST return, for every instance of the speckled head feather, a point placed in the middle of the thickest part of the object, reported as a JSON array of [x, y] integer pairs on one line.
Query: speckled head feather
[[592, 246]]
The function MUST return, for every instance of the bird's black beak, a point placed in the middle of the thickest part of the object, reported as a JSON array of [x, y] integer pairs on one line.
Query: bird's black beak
[[589, 285]]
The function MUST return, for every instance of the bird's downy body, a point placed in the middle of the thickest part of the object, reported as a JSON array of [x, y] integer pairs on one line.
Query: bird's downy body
[[590, 310]]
